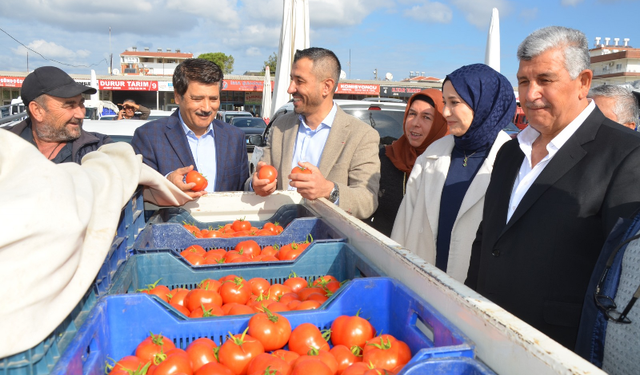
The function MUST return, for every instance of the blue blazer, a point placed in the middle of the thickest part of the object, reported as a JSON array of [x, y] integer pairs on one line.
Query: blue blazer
[[164, 147]]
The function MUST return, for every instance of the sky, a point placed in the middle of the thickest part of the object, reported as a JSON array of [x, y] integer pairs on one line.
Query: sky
[[390, 36]]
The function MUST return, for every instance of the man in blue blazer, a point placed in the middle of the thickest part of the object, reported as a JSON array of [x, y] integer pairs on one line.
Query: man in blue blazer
[[191, 138]]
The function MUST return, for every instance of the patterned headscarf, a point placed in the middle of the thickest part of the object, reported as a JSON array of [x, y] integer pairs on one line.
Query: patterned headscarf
[[400, 152], [491, 97]]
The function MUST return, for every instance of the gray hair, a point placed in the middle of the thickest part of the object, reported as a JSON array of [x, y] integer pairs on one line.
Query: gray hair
[[626, 106], [41, 102], [574, 44]]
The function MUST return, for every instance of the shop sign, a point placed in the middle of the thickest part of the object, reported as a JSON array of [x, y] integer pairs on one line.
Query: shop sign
[[358, 89], [122, 85], [239, 85], [404, 92], [165, 86], [252, 97], [11, 81]]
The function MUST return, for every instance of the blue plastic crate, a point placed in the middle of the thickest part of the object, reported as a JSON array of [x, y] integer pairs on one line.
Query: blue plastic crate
[[445, 366], [118, 323], [340, 260], [284, 215], [41, 358], [174, 238]]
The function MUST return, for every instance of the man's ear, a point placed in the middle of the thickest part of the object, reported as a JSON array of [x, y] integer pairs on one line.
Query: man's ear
[[37, 111], [585, 78], [328, 87]]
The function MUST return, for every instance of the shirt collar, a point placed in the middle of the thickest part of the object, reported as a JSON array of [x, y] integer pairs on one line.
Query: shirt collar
[[190, 132], [529, 134], [328, 121]]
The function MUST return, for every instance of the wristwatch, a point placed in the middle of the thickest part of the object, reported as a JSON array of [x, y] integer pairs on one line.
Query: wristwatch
[[335, 193]]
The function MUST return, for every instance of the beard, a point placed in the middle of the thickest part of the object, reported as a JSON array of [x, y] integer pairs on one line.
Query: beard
[[50, 133]]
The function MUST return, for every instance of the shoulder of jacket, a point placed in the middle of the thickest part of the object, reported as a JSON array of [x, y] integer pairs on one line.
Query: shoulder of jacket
[[440, 147]]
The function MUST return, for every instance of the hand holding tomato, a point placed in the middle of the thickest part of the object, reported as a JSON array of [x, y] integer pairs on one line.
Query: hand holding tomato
[[264, 186], [309, 182], [198, 179], [177, 178]]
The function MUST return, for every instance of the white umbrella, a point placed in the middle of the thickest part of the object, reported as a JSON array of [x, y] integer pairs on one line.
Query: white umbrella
[[266, 95], [492, 55], [294, 35]]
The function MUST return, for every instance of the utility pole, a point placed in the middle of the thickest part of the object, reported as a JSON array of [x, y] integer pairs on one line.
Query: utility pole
[[110, 54], [349, 63], [27, 62]]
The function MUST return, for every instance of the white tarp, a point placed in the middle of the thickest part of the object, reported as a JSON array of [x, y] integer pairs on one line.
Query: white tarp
[[294, 35], [266, 95], [492, 55]]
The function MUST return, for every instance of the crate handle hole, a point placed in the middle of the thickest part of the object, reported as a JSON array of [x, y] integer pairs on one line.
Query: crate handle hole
[[425, 328]]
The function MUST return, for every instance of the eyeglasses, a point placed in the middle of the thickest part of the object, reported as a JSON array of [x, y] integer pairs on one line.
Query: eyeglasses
[[605, 303]]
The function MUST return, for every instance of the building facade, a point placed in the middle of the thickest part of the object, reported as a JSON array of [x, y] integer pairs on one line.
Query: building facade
[[614, 63], [150, 63]]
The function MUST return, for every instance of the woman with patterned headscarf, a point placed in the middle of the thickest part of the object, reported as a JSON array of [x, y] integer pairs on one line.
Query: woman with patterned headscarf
[[442, 208], [423, 125]]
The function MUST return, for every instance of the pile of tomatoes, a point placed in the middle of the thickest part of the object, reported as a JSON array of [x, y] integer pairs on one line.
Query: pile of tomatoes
[[233, 295], [238, 228], [245, 251], [355, 350]]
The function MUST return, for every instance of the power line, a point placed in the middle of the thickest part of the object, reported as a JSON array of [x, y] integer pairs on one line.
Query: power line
[[52, 60]]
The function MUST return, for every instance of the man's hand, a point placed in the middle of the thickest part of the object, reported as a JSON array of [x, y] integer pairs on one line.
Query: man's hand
[[120, 115], [263, 187], [177, 178], [311, 186]]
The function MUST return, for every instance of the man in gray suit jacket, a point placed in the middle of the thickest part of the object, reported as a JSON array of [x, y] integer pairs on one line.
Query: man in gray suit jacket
[[340, 151]]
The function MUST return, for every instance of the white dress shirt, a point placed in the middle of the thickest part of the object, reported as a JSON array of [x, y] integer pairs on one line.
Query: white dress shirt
[[527, 174], [310, 143], [203, 149]]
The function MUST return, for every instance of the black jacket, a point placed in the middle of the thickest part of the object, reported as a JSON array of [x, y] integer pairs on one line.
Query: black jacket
[[87, 142]]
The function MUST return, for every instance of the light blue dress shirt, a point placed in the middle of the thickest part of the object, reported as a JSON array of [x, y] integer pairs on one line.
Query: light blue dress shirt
[[310, 143], [203, 150]]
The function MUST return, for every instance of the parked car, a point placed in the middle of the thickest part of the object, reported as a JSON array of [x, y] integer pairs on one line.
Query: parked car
[[226, 116], [119, 131], [250, 126], [385, 117]]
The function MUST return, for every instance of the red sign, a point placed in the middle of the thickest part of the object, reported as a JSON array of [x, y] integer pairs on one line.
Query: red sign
[[238, 85], [118, 84], [11, 81], [358, 89]]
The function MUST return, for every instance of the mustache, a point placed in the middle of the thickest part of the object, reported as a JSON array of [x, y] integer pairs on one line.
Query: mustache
[[535, 105], [205, 114]]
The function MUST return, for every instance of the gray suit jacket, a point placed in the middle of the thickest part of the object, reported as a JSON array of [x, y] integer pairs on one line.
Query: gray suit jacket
[[349, 159]]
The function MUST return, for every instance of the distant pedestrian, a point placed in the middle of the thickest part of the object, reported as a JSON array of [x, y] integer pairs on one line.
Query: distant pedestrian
[[129, 109], [617, 103]]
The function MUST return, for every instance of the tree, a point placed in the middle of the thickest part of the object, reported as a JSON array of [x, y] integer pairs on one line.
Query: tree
[[272, 61], [224, 62]]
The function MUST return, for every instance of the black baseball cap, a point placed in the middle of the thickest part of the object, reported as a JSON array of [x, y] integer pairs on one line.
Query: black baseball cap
[[51, 81]]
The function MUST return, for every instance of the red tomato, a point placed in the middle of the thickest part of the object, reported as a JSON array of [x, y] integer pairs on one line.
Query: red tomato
[[177, 362], [278, 307], [277, 290], [128, 363], [238, 309], [295, 282], [210, 284], [323, 355], [200, 180], [158, 290], [358, 368], [229, 278], [272, 330], [299, 169], [351, 331], [268, 172], [286, 355], [288, 297], [386, 352], [153, 345], [214, 368], [178, 295], [201, 352], [237, 291], [305, 337], [197, 297], [270, 227], [320, 281], [238, 351], [240, 224], [311, 366], [190, 227], [195, 249], [304, 293], [318, 297], [259, 365], [308, 305], [249, 248], [206, 310], [180, 308], [259, 285], [345, 357], [270, 250], [194, 259]]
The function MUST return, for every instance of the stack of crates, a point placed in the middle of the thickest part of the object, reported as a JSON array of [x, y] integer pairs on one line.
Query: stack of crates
[[122, 318], [41, 358]]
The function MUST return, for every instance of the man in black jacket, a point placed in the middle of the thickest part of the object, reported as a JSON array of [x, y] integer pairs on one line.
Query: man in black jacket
[[55, 106], [555, 192]]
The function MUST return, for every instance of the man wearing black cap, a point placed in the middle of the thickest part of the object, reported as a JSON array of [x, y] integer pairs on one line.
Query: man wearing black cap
[[56, 109]]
